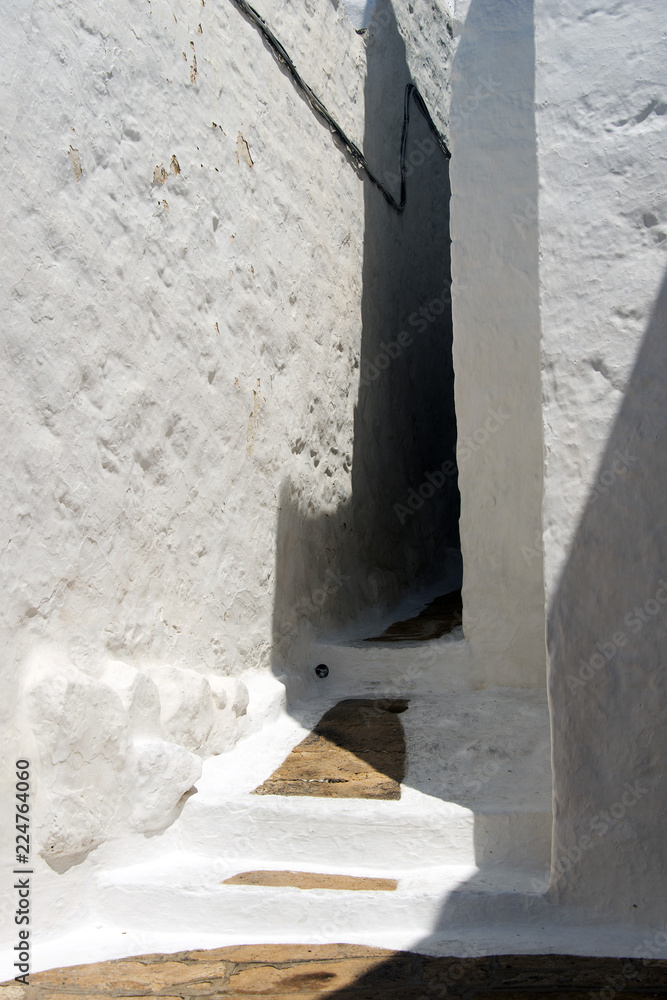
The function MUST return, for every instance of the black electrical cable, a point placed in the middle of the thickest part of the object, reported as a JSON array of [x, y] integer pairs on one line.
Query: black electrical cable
[[351, 148]]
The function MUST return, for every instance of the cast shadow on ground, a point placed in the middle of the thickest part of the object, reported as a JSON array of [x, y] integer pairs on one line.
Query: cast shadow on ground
[[609, 616]]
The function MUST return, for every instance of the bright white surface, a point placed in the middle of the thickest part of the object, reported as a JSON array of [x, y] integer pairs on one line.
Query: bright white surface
[[167, 312], [467, 829], [170, 310], [602, 134], [496, 340], [451, 899], [173, 339], [359, 12]]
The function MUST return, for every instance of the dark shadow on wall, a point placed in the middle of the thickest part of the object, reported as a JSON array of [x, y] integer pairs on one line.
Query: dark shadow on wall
[[497, 44], [385, 541], [607, 643], [405, 424], [607, 636]]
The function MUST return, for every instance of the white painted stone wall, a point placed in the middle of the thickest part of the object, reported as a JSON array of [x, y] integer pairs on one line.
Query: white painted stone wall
[[496, 339], [360, 13], [174, 348], [602, 132], [182, 285], [183, 311]]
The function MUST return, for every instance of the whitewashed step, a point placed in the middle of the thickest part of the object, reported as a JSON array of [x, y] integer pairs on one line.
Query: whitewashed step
[[192, 887], [476, 791], [468, 842], [359, 669]]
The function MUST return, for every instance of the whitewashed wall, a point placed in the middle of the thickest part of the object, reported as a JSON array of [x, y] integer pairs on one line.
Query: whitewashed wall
[[496, 339], [602, 141], [174, 347], [182, 294]]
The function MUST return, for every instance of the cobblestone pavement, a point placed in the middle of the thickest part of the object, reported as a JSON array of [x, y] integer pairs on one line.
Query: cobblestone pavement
[[346, 972]]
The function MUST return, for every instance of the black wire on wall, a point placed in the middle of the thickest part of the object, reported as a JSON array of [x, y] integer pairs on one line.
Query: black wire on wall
[[351, 148]]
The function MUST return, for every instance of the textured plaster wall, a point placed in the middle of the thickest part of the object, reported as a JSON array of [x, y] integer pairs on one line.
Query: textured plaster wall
[[184, 254], [497, 337], [349, 549], [602, 117], [173, 346]]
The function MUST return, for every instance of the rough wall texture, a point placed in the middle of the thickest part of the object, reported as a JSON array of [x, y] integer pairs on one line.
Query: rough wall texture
[[496, 338], [172, 340], [360, 545], [602, 113], [183, 328]]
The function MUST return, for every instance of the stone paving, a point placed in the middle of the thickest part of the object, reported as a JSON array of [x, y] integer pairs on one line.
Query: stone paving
[[356, 751], [346, 972], [313, 880], [438, 618]]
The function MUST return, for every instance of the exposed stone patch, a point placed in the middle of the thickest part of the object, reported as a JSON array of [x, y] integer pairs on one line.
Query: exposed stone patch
[[76, 162], [346, 972], [438, 618], [243, 151], [356, 751], [313, 880]]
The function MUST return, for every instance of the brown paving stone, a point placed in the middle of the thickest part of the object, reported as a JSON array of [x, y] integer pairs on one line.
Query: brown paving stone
[[453, 972], [325, 977], [512, 994], [356, 750], [313, 880], [134, 974], [577, 972], [35, 994], [316, 766], [560, 994], [345, 972], [372, 788], [438, 618], [301, 995], [354, 738], [277, 954]]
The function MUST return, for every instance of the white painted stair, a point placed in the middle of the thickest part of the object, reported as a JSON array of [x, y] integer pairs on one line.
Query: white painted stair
[[467, 841]]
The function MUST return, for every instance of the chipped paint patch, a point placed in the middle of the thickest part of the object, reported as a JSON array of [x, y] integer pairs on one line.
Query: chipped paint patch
[[76, 162], [253, 422], [313, 880], [243, 151]]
